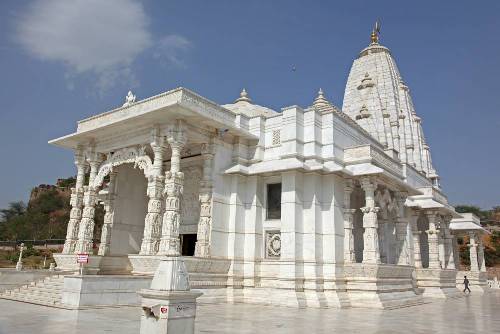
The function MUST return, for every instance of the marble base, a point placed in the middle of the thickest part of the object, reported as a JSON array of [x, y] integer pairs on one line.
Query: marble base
[[381, 286], [67, 262], [437, 283], [102, 290], [165, 312], [204, 273], [115, 265]]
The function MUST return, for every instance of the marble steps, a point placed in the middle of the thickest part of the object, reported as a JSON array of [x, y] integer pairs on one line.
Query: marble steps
[[47, 292]]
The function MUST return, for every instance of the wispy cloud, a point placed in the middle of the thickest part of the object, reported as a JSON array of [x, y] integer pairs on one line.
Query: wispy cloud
[[170, 50], [94, 37]]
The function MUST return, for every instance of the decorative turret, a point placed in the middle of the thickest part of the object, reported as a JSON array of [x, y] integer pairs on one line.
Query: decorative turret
[[320, 100], [243, 97], [377, 97]]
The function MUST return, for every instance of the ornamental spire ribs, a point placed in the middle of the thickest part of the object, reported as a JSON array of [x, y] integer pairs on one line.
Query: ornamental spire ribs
[[378, 99]]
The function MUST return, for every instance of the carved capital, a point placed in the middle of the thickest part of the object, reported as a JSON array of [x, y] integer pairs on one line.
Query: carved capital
[[176, 135]]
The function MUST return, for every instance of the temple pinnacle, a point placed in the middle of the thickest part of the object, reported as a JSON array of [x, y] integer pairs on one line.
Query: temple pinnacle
[[320, 100], [243, 97], [375, 33]]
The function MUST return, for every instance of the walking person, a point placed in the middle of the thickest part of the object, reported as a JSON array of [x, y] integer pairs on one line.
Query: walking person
[[466, 284]]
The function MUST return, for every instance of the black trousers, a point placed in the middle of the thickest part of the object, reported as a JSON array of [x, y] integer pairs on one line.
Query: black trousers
[[467, 288]]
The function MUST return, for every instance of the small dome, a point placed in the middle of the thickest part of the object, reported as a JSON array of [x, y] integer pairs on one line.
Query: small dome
[[244, 105]]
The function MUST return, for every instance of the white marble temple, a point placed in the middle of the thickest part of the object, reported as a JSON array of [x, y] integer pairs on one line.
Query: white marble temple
[[307, 206]]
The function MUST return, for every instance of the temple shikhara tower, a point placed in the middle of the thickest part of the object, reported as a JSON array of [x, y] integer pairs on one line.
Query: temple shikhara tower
[[316, 206]]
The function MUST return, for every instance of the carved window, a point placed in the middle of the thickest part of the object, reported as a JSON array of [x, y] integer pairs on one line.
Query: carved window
[[274, 201], [276, 137], [273, 244]]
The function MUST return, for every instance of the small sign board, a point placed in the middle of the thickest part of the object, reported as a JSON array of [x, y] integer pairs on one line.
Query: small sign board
[[82, 258]]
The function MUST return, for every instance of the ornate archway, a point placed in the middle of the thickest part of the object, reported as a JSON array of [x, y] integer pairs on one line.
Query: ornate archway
[[133, 155]]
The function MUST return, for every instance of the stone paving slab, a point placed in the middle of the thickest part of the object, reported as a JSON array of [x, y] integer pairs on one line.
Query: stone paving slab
[[474, 314]]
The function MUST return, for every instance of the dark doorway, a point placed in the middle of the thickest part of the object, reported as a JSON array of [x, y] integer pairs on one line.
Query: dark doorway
[[188, 242]]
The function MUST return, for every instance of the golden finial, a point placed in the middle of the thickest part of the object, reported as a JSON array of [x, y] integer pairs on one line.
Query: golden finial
[[375, 33]]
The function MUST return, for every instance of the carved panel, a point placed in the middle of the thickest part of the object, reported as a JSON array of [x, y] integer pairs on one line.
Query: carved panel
[[190, 197], [273, 244], [276, 137]]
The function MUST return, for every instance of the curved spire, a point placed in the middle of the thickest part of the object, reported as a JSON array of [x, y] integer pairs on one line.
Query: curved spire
[[377, 97]]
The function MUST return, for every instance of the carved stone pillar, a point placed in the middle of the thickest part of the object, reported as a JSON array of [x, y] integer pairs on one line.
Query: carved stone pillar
[[202, 248], [348, 223], [417, 253], [108, 216], [442, 242], [456, 252], [473, 252], [153, 220], [371, 253], [449, 258], [76, 202], [451, 249], [384, 244], [402, 229], [432, 237], [482, 260], [174, 187], [86, 231]]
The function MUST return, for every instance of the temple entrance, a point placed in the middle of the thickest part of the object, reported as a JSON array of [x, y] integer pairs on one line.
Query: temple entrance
[[188, 242], [130, 208]]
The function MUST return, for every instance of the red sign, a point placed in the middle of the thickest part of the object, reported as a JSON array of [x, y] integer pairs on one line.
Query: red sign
[[82, 258], [163, 309]]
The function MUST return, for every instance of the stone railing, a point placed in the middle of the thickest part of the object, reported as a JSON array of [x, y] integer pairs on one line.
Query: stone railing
[[493, 283], [414, 178], [434, 193]]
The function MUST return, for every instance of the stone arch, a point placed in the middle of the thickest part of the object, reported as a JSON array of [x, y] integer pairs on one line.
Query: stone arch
[[134, 155]]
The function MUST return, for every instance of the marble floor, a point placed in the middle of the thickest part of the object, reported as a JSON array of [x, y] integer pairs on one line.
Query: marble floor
[[473, 314]]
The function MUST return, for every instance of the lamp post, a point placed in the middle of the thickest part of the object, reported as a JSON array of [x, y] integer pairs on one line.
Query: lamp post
[[19, 265]]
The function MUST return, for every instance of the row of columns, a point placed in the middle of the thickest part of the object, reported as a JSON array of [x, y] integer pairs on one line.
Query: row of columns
[[162, 221], [439, 235]]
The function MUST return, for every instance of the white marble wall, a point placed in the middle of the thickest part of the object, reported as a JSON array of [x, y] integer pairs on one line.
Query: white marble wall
[[131, 205]]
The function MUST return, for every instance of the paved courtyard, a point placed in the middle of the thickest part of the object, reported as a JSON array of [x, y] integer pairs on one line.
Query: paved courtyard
[[472, 314]]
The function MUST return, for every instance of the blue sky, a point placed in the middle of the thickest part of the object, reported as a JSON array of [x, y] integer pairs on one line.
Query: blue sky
[[61, 61]]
